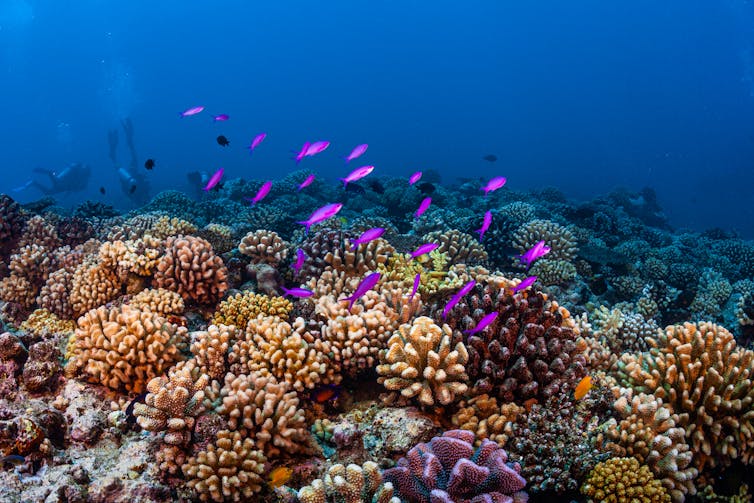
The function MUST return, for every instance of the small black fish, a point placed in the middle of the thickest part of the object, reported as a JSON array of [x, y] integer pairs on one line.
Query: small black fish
[[102, 190], [132, 189], [426, 188], [376, 186], [130, 417], [490, 157], [149, 164], [222, 141], [355, 188]]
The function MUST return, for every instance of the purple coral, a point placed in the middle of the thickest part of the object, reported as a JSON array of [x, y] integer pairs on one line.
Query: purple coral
[[449, 469]]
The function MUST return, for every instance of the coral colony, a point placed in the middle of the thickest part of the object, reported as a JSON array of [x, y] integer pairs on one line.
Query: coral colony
[[363, 342]]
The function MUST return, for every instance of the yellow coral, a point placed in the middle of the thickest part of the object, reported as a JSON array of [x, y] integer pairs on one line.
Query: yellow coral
[[349, 484], [42, 320], [419, 363], [159, 301], [240, 308], [619, 480]]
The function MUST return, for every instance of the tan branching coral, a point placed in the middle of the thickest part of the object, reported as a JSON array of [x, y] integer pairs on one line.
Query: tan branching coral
[[166, 226], [364, 259], [18, 289], [349, 484], [137, 257], [487, 419], [219, 236], [173, 403], [43, 321], [271, 345], [623, 479], [553, 272], [122, 347], [210, 349], [421, 363], [648, 432], [93, 285], [561, 241], [267, 410], [461, 248], [706, 379], [241, 308], [230, 469], [159, 301], [41, 233], [54, 295], [191, 268], [264, 246]]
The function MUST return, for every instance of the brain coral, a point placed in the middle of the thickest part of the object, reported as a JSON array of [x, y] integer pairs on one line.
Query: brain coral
[[192, 269], [421, 362], [122, 347], [448, 469], [706, 379]]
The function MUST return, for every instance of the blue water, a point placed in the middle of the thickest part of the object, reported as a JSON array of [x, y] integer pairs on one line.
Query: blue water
[[584, 96]]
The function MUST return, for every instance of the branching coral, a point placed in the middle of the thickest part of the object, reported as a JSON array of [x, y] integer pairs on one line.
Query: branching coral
[[122, 347], [264, 246], [42, 321], [210, 349], [92, 285], [241, 308], [483, 416], [448, 469], [365, 258], [623, 479], [706, 379], [267, 411], [349, 484], [159, 301], [421, 362], [459, 246], [192, 269], [561, 241]]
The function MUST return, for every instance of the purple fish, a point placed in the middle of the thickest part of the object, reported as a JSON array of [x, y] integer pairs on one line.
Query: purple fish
[[365, 285], [214, 180], [423, 207], [191, 111], [423, 249], [485, 225], [256, 141], [494, 184], [316, 147], [300, 258], [302, 153], [414, 178], [525, 283], [220, 118], [358, 151], [417, 280], [457, 297], [368, 235], [301, 293], [261, 193], [357, 174], [306, 183], [483, 323], [537, 251], [321, 214]]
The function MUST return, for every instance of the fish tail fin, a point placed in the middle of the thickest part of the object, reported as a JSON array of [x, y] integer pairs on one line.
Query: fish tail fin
[[345, 182], [355, 245], [306, 224], [481, 234]]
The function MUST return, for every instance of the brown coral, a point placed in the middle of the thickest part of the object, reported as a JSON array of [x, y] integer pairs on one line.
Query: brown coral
[[241, 308], [159, 301], [623, 479], [192, 269], [349, 484], [461, 248], [421, 362], [122, 347], [93, 285], [264, 246], [482, 415], [561, 241], [210, 349]]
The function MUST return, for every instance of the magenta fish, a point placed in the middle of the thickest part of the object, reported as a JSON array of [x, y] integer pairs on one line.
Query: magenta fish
[[357, 174], [417, 280], [485, 225], [358, 151], [214, 180], [220, 118], [261, 193], [256, 141], [321, 214], [301, 293], [368, 235], [306, 183], [414, 178], [537, 251], [483, 323], [191, 111], [302, 153], [316, 147], [300, 258], [423, 207], [365, 285], [424, 249], [494, 184], [525, 283], [457, 297]]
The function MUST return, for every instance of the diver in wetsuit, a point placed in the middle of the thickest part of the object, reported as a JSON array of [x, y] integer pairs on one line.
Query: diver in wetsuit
[[73, 178], [133, 183]]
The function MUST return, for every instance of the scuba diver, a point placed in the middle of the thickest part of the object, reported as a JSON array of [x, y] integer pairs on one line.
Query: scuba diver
[[73, 178], [133, 183]]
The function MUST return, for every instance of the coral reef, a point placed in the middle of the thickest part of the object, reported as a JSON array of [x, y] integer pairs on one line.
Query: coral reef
[[623, 479], [349, 484]]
